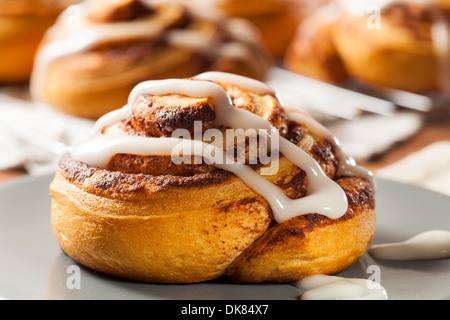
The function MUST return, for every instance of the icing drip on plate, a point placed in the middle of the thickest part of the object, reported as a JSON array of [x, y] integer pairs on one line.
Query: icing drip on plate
[[433, 244], [324, 196], [323, 287], [428, 245]]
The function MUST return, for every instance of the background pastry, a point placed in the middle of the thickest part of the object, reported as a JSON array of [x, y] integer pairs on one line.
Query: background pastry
[[142, 216], [399, 50], [22, 26], [277, 20], [89, 70]]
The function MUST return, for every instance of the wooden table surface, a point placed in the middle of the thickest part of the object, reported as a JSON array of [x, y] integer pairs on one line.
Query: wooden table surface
[[434, 130]]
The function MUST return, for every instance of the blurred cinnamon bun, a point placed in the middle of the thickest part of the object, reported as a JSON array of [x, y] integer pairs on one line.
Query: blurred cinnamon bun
[[392, 46], [88, 69], [22, 26], [277, 20]]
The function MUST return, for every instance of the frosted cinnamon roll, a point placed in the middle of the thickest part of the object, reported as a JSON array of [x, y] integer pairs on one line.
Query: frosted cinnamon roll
[[22, 26], [399, 44], [88, 68], [207, 177]]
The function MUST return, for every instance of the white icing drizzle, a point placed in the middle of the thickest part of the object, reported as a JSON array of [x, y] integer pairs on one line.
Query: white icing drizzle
[[77, 41], [433, 244], [245, 83], [324, 287], [324, 196], [347, 165], [171, 85]]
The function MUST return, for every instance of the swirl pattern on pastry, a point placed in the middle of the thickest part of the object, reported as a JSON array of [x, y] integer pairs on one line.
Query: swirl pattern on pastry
[[123, 207]]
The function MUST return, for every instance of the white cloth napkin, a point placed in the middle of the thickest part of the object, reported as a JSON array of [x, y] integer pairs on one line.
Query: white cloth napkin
[[371, 135], [428, 168], [32, 136]]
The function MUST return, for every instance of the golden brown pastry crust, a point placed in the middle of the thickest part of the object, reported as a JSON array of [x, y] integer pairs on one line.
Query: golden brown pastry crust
[[91, 83], [145, 220], [290, 251], [22, 26], [313, 52], [18, 44], [398, 55]]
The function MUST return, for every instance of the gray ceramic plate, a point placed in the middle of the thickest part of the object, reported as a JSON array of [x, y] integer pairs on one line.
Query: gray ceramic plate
[[33, 267]]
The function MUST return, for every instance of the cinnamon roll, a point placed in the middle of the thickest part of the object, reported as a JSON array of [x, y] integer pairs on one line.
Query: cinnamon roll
[[22, 26], [88, 69], [395, 45], [207, 177]]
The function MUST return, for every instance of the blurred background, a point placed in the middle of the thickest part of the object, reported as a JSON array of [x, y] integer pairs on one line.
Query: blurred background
[[376, 73]]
